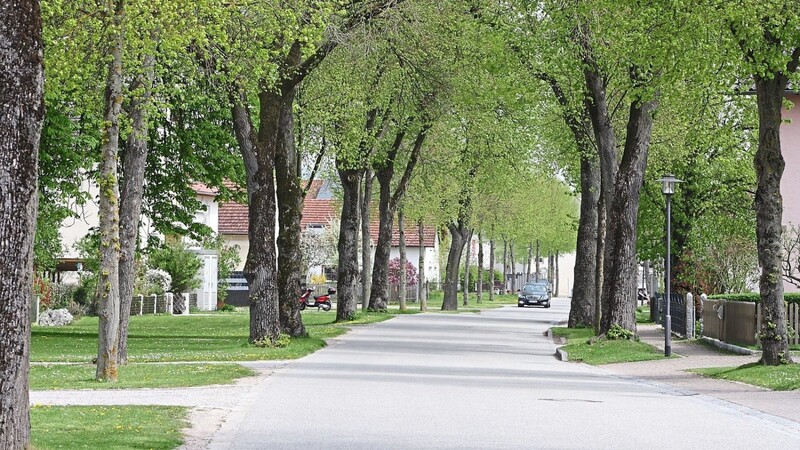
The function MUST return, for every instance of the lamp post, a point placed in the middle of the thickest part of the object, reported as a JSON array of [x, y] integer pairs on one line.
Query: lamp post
[[668, 188]]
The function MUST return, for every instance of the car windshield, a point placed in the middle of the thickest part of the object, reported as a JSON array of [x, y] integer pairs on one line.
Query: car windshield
[[534, 289]]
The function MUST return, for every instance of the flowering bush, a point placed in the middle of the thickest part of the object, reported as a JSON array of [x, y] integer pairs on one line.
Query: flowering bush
[[394, 272], [43, 288], [158, 280], [55, 318]]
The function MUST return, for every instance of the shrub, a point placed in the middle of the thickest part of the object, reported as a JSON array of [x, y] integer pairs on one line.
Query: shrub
[[227, 308], [181, 264], [487, 276], [394, 272], [618, 333], [157, 281], [753, 297]]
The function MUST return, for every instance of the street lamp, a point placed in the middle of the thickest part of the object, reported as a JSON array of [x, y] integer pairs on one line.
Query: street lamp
[[668, 188]]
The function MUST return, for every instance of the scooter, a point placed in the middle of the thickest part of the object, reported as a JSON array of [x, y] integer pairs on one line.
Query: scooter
[[320, 301]]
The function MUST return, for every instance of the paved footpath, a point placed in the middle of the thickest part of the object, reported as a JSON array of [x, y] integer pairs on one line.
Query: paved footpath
[[455, 381], [692, 355]]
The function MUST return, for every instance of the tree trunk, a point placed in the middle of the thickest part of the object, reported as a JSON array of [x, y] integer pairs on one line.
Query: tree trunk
[[366, 248], [108, 280], [619, 288], [130, 211], [538, 257], [555, 273], [529, 270], [402, 241], [769, 215], [290, 211], [491, 268], [22, 110], [348, 244], [260, 268], [584, 288], [506, 285], [468, 256], [513, 267], [600, 255], [422, 296], [458, 235], [379, 294], [388, 205], [479, 287]]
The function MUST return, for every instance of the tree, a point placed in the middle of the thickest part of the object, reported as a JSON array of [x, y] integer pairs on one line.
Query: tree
[[22, 109], [768, 37]]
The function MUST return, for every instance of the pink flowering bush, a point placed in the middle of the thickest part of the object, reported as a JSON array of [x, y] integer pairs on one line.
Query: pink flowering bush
[[394, 272]]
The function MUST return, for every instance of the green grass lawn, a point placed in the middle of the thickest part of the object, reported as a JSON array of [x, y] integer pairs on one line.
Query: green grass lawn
[[643, 314], [107, 427], [164, 338], [437, 297], [603, 351], [150, 375], [779, 378]]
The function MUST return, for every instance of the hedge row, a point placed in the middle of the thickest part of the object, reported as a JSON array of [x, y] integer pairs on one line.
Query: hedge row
[[753, 297]]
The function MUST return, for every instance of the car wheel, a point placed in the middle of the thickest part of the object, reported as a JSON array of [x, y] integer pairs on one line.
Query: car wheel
[[521, 306], [547, 305]]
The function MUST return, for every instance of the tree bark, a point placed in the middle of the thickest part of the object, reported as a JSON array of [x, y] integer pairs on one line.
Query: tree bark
[[366, 248], [468, 256], [402, 241], [769, 215], [133, 165], [513, 267], [261, 266], [600, 255], [529, 263], [22, 110], [556, 273], [421, 293], [538, 257], [290, 209], [458, 238], [619, 288], [584, 284], [348, 244], [491, 268], [506, 285], [479, 287], [108, 280]]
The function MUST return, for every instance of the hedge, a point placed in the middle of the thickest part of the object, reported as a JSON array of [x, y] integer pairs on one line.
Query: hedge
[[753, 297]]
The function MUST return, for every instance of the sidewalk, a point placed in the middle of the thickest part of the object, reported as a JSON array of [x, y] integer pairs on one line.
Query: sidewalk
[[672, 371]]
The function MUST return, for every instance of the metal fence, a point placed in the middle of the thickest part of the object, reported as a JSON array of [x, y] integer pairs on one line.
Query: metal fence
[[677, 311]]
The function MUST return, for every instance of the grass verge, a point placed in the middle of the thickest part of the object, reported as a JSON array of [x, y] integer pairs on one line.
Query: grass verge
[[779, 378], [643, 314], [603, 351], [436, 299], [164, 338], [82, 376], [107, 427]]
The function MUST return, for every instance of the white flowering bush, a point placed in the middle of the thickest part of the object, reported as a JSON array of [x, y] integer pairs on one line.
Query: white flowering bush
[[55, 318], [160, 280]]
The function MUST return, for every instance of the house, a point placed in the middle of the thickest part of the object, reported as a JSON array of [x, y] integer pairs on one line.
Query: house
[[790, 183], [72, 230], [321, 211]]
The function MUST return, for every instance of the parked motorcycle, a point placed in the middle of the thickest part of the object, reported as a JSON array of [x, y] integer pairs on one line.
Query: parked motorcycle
[[320, 301]]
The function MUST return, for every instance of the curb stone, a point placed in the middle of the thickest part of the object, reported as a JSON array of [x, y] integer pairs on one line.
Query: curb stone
[[729, 347]]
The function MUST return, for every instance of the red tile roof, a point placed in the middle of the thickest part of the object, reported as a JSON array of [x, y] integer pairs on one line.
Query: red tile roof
[[233, 219], [412, 234]]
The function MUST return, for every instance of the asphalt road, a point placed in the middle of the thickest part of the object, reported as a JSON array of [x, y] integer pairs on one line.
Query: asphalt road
[[480, 381]]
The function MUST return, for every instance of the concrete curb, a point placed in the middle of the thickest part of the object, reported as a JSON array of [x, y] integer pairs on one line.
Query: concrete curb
[[729, 347], [560, 353]]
